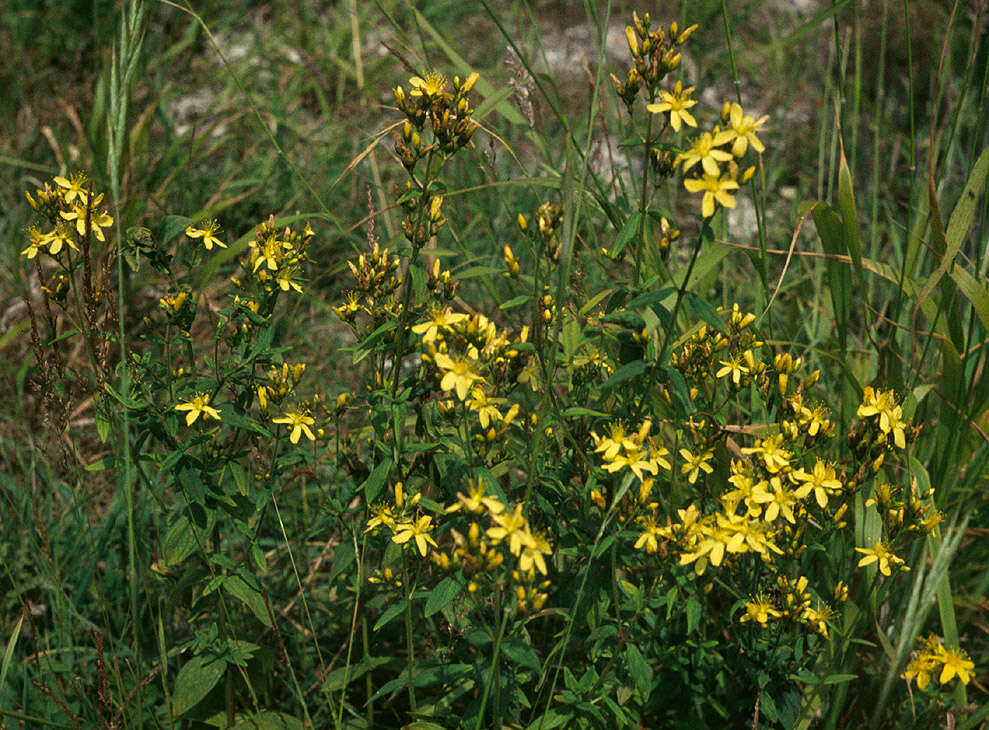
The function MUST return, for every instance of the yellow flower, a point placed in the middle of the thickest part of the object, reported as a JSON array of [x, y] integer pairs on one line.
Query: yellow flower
[[458, 374], [921, 667], [440, 319], [743, 130], [431, 85], [956, 663], [821, 481], [780, 501], [760, 610], [405, 531], [97, 220], [299, 422], [37, 240], [715, 189], [650, 536], [705, 151], [207, 233], [881, 554], [486, 409], [382, 515], [676, 103], [61, 236], [614, 442], [73, 188], [532, 555], [477, 501], [693, 465], [513, 527], [198, 405], [732, 366]]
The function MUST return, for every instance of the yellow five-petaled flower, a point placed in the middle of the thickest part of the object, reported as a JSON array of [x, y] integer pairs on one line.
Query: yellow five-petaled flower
[[207, 233], [198, 405], [299, 421], [405, 531]]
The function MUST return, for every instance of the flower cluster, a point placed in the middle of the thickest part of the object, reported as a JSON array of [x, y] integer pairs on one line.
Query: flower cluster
[[638, 452], [73, 213], [715, 155], [655, 53], [474, 360], [934, 660], [437, 123], [791, 601], [484, 551]]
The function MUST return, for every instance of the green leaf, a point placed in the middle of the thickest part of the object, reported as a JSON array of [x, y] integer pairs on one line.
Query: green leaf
[[365, 347], [442, 674], [373, 484], [8, 653], [189, 480], [626, 234], [518, 652], [515, 301], [171, 226], [625, 372], [639, 670], [704, 310], [849, 217], [269, 720], [552, 718], [180, 541], [107, 462], [693, 614], [388, 688], [238, 587], [442, 595], [974, 291], [393, 610], [838, 678], [828, 226], [579, 412], [194, 681]]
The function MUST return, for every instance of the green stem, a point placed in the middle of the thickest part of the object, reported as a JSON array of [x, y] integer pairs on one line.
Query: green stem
[[409, 645], [493, 676], [640, 235]]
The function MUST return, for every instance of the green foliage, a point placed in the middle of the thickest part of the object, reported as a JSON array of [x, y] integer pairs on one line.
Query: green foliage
[[526, 419]]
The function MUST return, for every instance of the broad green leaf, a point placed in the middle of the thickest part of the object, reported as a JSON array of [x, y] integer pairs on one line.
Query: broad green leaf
[[269, 720], [838, 678], [249, 595], [693, 614], [442, 595], [442, 674], [625, 372], [519, 652], [373, 484], [626, 234], [974, 291], [365, 348], [180, 540], [190, 481], [964, 212], [194, 681], [639, 670], [388, 687], [515, 301], [391, 612]]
